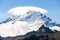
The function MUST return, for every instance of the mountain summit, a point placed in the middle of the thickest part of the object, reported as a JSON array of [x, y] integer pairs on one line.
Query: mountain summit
[[26, 19]]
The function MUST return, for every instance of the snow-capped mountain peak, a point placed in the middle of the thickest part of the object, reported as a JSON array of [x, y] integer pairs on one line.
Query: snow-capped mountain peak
[[24, 20]]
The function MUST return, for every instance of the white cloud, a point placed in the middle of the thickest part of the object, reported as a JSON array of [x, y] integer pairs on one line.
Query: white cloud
[[23, 10], [18, 28]]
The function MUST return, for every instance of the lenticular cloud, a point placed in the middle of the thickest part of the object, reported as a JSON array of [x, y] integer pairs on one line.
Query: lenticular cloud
[[25, 9]]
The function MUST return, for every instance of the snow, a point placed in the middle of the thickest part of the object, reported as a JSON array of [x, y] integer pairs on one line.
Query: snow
[[55, 28]]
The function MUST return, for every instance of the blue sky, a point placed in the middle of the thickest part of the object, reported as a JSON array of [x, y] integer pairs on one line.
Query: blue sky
[[53, 7]]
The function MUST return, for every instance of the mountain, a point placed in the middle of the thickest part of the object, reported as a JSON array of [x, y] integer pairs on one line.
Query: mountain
[[44, 30], [27, 21]]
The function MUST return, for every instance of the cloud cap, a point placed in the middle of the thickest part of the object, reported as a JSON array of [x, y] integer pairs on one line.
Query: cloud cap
[[24, 9]]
